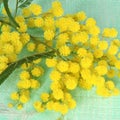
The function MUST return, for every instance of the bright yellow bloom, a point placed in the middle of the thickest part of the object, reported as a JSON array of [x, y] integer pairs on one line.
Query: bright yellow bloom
[[62, 66], [26, 12], [85, 62], [20, 106], [31, 46], [74, 67], [101, 70], [90, 22], [37, 71], [38, 106], [24, 84], [44, 97], [36, 9], [80, 16], [39, 22], [64, 50], [113, 49], [58, 94], [24, 98], [49, 35], [51, 62], [41, 48], [103, 45], [34, 83], [55, 75], [110, 85], [14, 96], [24, 75], [110, 32], [24, 38]]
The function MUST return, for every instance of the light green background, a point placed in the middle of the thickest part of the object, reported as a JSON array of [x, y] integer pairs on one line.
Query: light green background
[[89, 105]]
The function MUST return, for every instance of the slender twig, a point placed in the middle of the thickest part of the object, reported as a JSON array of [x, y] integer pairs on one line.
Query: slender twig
[[16, 7], [8, 23]]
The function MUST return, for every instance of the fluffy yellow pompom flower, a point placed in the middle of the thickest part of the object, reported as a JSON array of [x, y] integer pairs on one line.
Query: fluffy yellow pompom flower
[[63, 109], [74, 26], [8, 48], [103, 45], [58, 94], [71, 103], [83, 37], [51, 62], [85, 62], [44, 97], [102, 91], [14, 96], [24, 84], [31, 47], [98, 53], [82, 52], [26, 12], [85, 84], [64, 50], [24, 38], [110, 85], [94, 40], [37, 71], [101, 70], [24, 98], [24, 75], [111, 73], [55, 75], [74, 67], [70, 82], [22, 28], [49, 34], [10, 105], [41, 48], [110, 32], [19, 106], [5, 28], [38, 106], [80, 16], [63, 66], [39, 22], [117, 64], [3, 59], [90, 22], [113, 49], [94, 30], [36, 9], [20, 19], [34, 83]]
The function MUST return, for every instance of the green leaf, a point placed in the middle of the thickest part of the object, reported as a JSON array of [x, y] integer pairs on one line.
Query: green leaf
[[5, 2], [5, 74], [25, 4]]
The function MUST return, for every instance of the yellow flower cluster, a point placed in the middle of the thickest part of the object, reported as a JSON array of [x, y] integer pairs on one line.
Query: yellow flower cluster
[[83, 57], [26, 83]]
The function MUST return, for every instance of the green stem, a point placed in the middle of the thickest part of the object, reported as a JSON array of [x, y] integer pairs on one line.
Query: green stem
[[5, 2], [5, 22], [12, 66], [56, 51], [16, 7]]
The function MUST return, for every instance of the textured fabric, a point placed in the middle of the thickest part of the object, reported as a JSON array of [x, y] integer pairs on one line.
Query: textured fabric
[[89, 105]]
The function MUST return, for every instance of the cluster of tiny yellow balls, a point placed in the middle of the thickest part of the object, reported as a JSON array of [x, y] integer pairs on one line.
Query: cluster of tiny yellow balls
[[85, 56]]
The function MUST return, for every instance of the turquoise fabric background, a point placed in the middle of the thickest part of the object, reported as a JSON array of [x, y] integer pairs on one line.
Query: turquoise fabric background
[[89, 105]]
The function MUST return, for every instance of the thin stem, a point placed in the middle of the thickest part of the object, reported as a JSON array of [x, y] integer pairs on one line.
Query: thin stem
[[8, 23], [55, 50], [16, 7]]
